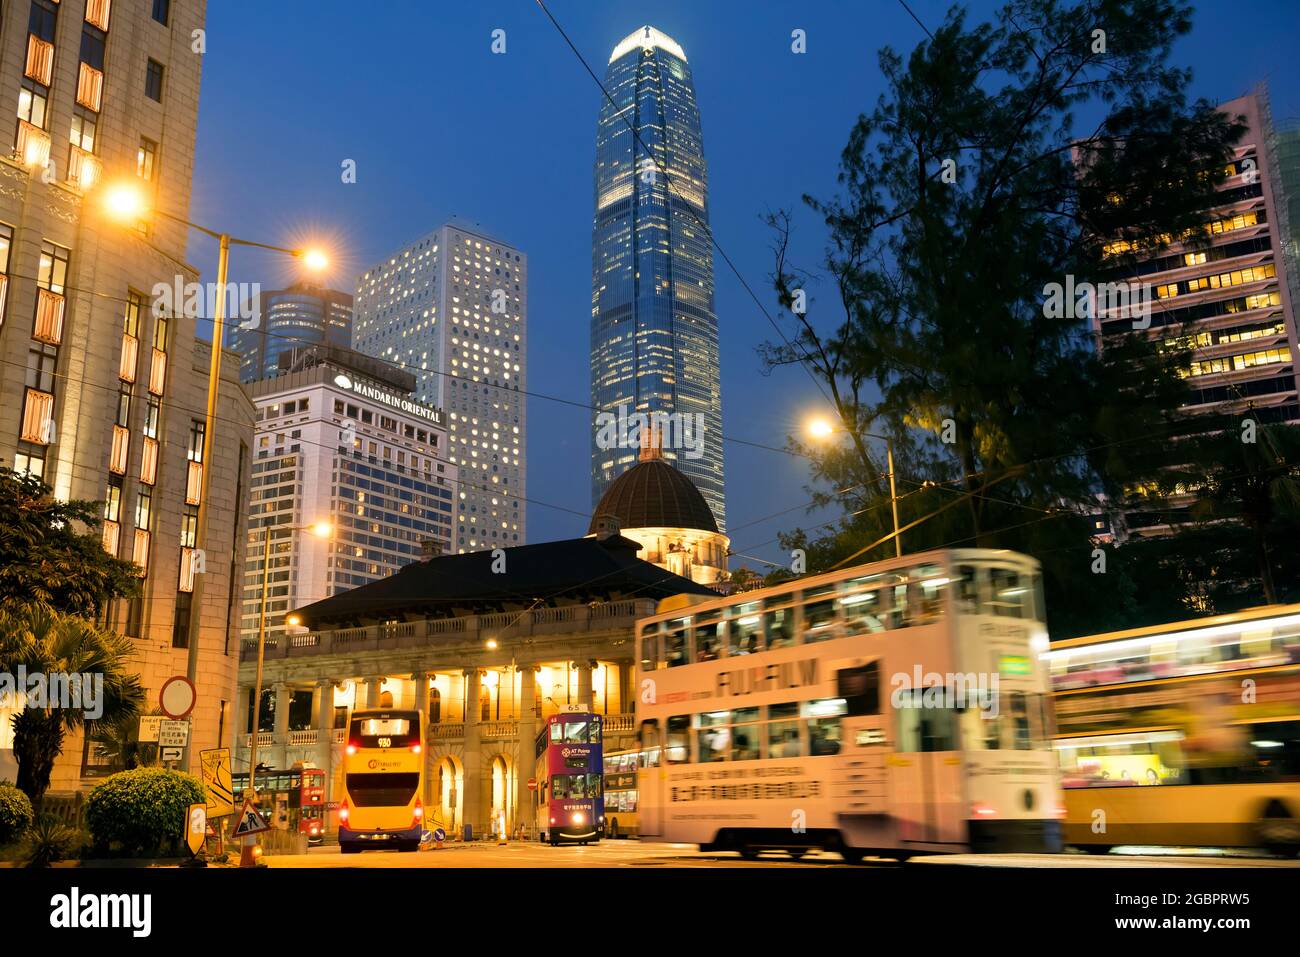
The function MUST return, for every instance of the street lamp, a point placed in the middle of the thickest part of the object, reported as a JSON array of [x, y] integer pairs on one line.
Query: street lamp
[[821, 428], [125, 203], [320, 530]]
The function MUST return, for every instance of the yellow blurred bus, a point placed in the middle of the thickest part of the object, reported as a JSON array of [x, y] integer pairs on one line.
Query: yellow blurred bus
[[383, 778], [1184, 734]]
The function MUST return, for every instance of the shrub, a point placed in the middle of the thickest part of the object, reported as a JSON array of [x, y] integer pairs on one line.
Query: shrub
[[15, 813], [50, 840], [142, 812]]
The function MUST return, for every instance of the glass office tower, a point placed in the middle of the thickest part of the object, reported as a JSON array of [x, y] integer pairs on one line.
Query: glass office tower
[[654, 333]]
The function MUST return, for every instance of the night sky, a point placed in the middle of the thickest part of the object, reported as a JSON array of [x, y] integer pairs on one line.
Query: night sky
[[441, 127]]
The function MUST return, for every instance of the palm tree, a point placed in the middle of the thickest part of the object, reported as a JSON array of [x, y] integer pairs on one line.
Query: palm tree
[[49, 642]]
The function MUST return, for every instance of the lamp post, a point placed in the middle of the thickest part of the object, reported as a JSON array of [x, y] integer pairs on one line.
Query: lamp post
[[125, 203], [320, 530], [821, 428]]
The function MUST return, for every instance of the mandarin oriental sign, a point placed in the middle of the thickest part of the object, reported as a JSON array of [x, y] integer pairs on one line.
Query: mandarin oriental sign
[[393, 401]]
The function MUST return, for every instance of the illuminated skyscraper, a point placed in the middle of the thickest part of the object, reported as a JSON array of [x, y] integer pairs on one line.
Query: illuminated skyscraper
[[654, 333]]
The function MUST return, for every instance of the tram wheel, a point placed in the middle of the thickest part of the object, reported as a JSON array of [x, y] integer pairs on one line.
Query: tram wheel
[[852, 855], [749, 852], [1277, 830], [1097, 848], [612, 828]]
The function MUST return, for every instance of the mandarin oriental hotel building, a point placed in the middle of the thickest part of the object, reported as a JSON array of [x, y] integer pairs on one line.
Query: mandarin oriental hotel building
[[339, 439]]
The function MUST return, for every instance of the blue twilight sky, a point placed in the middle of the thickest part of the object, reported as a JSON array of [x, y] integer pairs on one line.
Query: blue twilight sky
[[441, 127]]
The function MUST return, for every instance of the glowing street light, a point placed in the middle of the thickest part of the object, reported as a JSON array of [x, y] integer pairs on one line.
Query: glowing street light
[[820, 428], [126, 203]]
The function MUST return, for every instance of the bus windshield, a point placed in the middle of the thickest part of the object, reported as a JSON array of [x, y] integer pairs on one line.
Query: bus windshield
[[386, 731]]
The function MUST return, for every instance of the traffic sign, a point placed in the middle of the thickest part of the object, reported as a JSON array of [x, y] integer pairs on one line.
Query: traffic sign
[[173, 734], [216, 778], [172, 754], [149, 724], [532, 784], [177, 697], [196, 827], [439, 835], [250, 822]]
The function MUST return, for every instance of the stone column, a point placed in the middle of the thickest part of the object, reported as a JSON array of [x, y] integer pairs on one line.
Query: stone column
[[472, 800], [526, 757], [280, 740], [584, 684], [421, 680], [373, 686], [325, 731]]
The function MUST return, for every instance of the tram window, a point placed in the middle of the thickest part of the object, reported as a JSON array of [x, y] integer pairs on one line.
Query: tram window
[[779, 628], [1010, 594], [783, 731], [745, 733], [1018, 723], [925, 729], [575, 732], [557, 731], [860, 688], [819, 622], [677, 746], [823, 717], [651, 654], [898, 607], [745, 633], [929, 586], [863, 613], [675, 648], [968, 592], [708, 641], [648, 739]]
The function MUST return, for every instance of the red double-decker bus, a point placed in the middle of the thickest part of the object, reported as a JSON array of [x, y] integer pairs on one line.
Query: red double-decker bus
[[568, 803], [302, 790]]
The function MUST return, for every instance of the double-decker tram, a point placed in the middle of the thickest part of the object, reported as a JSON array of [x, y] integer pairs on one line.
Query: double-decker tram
[[621, 795], [1183, 734], [889, 709], [568, 803], [298, 794], [383, 780]]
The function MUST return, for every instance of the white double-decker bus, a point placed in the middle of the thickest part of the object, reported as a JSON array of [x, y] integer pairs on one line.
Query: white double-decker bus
[[889, 709]]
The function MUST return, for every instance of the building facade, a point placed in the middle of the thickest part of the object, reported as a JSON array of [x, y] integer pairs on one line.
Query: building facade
[[103, 385], [339, 439], [451, 637], [286, 319], [654, 332], [452, 308], [1232, 304]]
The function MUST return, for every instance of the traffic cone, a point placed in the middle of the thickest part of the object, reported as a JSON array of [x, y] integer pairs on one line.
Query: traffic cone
[[249, 853]]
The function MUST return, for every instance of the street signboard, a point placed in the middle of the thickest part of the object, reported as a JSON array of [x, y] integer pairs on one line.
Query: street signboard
[[574, 708], [439, 835], [196, 827], [532, 784], [216, 778], [173, 734], [177, 697], [172, 754], [149, 724], [250, 822]]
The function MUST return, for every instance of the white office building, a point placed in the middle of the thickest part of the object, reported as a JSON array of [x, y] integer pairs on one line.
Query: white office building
[[340, 439], [452, 308]]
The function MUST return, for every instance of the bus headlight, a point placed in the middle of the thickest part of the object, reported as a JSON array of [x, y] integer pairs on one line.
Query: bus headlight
[[577, 818]]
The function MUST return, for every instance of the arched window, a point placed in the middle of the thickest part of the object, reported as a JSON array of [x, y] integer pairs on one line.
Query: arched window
[[435, 706]]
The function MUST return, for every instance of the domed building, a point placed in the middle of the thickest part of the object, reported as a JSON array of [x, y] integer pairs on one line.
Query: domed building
[[659, 508]]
